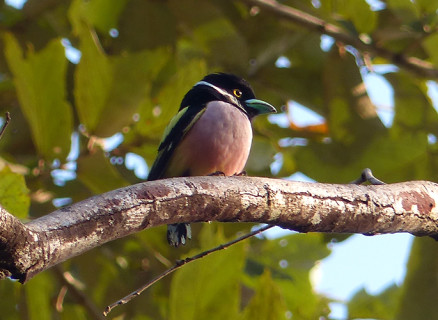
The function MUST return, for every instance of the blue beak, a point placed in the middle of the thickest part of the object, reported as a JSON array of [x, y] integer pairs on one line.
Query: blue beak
[[259, 107]]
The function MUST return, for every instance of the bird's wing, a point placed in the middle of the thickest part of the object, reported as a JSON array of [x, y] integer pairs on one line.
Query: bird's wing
[[173, 134]]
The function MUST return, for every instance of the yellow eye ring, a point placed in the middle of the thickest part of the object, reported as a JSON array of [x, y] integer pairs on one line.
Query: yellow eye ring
[[237, 93]]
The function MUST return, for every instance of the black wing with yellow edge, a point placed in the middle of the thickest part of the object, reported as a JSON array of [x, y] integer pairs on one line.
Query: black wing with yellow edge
[[172, 136]]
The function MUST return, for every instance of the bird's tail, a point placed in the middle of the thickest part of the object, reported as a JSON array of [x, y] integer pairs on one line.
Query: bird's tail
[[178, 233]]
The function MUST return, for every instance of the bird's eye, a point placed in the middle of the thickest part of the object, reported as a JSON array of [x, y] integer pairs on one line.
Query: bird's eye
[[237, 93]]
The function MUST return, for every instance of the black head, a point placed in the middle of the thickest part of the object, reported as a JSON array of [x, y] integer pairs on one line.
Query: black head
[[228, 88], [234, 85]]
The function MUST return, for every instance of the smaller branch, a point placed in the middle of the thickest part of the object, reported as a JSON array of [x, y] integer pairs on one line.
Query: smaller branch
[[179, 264], [7, 119], [412, 64]]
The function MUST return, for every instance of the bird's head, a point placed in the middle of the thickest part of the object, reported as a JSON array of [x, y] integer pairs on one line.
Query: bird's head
[[228, 88]]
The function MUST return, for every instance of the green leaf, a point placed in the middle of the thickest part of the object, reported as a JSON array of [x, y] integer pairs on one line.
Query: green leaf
[[210, 34], [340, 164], [40, 83], [93, 79], [14, 195], [267, 303], [360, 13], [382, 306], [110, 90], [261, 156], [426, 6], [98, 174], [219, 40], [431, 45], [155, 113], [354, 126], [39, 291], [147, 25], [138, 71], [172, 92], [401, 4], [73, 312], [10, 291], [351, 114], [357, 12], [290, 260], [102, 14], [209, 288], [303, 85], [414, 110]]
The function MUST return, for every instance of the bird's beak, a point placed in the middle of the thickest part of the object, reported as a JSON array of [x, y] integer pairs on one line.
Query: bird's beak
[[259, 106]]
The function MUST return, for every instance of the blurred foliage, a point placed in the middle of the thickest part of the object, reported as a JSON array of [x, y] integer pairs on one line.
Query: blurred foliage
[[382, 306], [77, 74], [421, 283]]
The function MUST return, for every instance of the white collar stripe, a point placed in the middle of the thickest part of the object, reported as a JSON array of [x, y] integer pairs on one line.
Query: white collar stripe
[[223, 92]]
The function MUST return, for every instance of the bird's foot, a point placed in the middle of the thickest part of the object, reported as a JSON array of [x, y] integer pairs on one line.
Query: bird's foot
[[241, 174], [217, 174], [178, 233], [367, 176]]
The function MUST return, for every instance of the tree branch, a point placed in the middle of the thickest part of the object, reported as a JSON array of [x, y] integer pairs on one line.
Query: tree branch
[[27, 249], [417, 66]]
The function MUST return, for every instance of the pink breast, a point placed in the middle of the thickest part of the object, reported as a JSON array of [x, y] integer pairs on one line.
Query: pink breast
[[219, 141]]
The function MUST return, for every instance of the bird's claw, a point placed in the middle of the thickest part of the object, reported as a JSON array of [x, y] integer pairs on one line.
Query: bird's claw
[[217, 174], [178, 233]]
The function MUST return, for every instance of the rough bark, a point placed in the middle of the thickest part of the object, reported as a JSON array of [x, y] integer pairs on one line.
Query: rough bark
[[27, 249]]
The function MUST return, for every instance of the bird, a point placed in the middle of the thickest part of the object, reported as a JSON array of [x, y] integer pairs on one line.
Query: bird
[[211, 134]]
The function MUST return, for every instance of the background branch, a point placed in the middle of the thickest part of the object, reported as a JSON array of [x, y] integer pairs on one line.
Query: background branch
[[75, 290], [417, 66], [27, 249], [181, 263]]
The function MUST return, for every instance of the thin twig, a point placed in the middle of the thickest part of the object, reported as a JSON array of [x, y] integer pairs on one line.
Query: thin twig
[[7, 119], [179, 264], [412, 64]]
